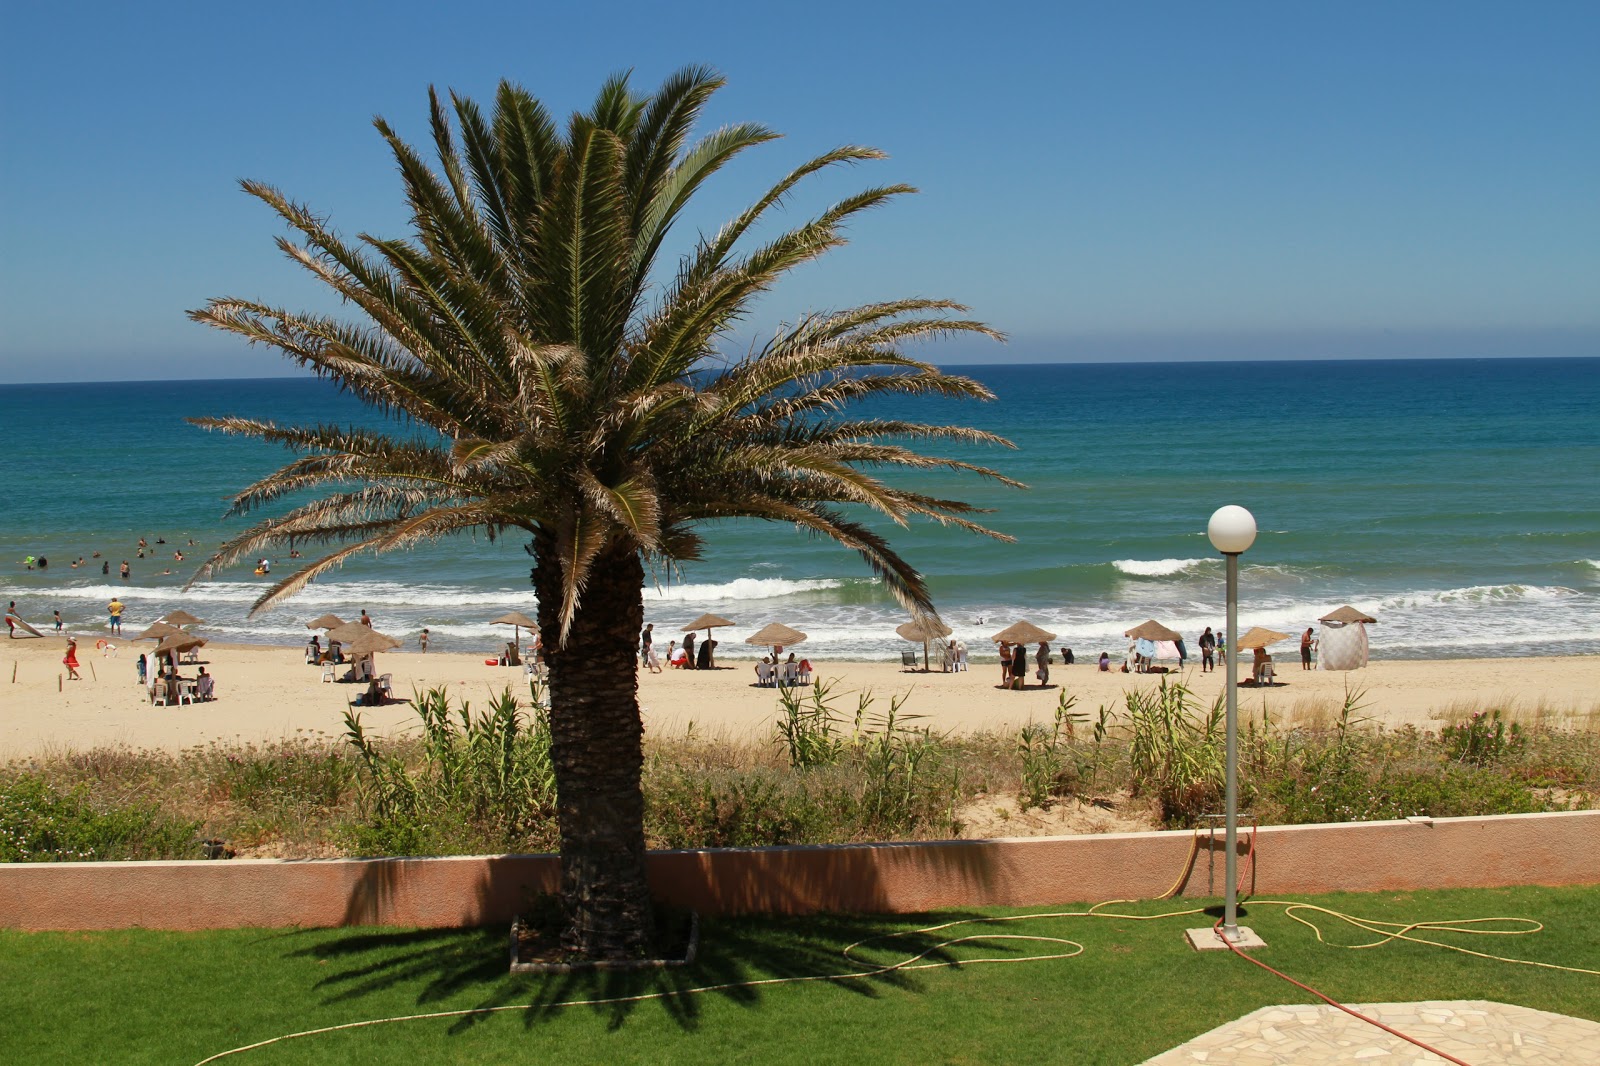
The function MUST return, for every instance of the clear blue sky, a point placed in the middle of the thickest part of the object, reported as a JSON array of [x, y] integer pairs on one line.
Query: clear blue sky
[[1105, 181]]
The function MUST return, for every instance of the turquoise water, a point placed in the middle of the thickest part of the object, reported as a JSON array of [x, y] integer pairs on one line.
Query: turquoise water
[[1458, 501]]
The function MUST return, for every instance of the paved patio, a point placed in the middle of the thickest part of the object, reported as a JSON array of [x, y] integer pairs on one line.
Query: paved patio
[[1475, 1031]]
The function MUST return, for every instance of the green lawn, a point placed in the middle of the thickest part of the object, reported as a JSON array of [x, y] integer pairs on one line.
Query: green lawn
[[1137, 989]]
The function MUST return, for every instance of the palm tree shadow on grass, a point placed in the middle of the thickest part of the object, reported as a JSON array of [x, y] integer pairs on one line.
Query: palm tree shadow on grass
[[734, 953]]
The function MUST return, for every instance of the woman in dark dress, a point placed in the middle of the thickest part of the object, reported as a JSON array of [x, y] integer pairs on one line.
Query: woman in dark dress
[[1019, 665], [703, 659]]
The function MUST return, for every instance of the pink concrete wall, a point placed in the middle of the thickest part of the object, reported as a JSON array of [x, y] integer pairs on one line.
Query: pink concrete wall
[[1544, 849]]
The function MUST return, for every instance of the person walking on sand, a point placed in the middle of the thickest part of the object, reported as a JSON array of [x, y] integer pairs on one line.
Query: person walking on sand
[[1208, 651], [11, 620], [651, 663], [646, 639], [422, 638], [115, 608], [70, 660], [1041, 659], [1305, 648]]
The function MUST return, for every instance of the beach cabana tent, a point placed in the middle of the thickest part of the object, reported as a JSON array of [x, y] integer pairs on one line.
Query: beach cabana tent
[[180, 617], [1343, 643], [327, 621], [774, 635], [1023, 632], [926, 631], [518, 622]]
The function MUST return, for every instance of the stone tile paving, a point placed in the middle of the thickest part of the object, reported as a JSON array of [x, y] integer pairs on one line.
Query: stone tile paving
[[1475, 1031]]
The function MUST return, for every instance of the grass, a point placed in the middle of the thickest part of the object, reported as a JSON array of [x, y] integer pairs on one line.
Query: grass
[[142, 996]]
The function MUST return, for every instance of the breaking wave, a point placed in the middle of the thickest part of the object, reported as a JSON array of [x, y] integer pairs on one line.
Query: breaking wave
[[1156, 567]]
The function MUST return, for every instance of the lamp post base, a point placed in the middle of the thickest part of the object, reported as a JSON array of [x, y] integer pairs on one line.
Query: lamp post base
[[1210, 939]]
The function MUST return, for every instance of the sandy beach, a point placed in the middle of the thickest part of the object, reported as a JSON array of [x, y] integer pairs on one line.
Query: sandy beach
[[266, 693]]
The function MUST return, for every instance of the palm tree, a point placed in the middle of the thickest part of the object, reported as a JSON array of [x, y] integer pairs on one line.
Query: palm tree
[[574, 400]]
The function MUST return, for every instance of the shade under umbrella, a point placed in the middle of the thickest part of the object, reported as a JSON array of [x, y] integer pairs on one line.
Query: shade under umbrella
[[1023, 632], [180, 617], [1153, 630], [1346, 615], [327, 621], [160, 631], [1259, 637], [928, 629], [776, 633], [707, 621], [179, 641]]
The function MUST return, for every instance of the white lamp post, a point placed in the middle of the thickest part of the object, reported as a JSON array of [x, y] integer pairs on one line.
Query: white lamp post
[[1232, 529]]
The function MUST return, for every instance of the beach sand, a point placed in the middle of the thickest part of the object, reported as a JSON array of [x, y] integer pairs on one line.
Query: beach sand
[[267, 693]]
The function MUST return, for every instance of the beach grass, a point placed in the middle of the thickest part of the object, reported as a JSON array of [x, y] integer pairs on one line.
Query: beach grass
[[840, 774], [141, 996]]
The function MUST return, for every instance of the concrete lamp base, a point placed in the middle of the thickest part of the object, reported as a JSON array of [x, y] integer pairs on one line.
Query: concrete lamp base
[[1209, 939]]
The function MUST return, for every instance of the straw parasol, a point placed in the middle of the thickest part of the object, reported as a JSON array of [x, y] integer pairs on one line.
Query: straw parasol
[[1347, 614], [1023, 632], [160, 631], [775, 634], [180, 617], [179, 641], [518, 622], [1259, 637], [707, 622], [367, 643], [927, 630], [1153, 630], [327, 621]]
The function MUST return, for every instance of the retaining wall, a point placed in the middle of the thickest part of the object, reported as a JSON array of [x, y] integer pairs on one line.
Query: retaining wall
[[1532, 849]]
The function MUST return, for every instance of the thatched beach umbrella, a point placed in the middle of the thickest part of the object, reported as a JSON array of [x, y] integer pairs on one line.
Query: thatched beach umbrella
[[518, 622], [1153, 630], [327, 621], [367, 644], [180, 617], [929, 629], [160, 631], [1347, 614], [1023, 632], [1259, 637], [707, 622], [179, 641], [775, 634]]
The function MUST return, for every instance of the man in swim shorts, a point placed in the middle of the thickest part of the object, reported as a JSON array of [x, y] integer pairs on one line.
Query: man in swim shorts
[[116, 607]]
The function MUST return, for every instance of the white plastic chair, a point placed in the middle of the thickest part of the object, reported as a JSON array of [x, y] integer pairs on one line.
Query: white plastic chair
[[791, 673], [385, 685], [764, 674], [327, 673], [185, 692]]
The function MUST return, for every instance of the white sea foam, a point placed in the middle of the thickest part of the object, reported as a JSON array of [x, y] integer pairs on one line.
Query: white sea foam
[[744, 588], [1156, 567]]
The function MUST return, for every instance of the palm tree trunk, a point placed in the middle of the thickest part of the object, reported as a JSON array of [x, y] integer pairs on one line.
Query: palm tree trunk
[[596, 748]]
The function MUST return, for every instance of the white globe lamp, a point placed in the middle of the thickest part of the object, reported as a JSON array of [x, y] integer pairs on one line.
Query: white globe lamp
[[1232, 529]]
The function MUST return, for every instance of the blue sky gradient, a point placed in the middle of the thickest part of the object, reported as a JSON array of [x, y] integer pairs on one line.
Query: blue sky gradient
[[1102, 182]]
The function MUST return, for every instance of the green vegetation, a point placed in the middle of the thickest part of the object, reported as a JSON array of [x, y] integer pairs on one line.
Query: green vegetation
[[469, 781], [1136, 989]]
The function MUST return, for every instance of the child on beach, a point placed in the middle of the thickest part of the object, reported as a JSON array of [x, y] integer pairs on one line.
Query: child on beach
[[70, 660], [422, 638]]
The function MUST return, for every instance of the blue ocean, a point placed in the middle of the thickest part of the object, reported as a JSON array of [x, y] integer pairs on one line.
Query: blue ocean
[[1457, 501]]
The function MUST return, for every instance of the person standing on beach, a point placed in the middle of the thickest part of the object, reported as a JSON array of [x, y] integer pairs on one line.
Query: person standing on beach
[[11, 620], [1005, 664], [647, 641], [1305, 648], [422, 638], [116, 607], [1208, 651], [1041, 659], [70, 660], [688, 650], [58, 621], [1019, 665]]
